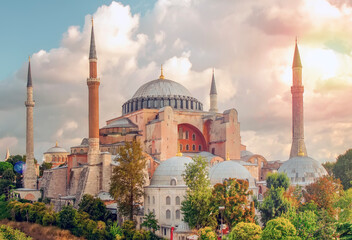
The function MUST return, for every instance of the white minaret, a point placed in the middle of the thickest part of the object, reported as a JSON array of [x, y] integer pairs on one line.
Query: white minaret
[[298, 146], [213, 96], [30, 177]]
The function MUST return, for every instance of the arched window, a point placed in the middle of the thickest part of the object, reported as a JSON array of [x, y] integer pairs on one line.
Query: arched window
[[178, 202], [168, 214], [168, 200], [173, 182], [200, 147], [193, 147], [186, 135], [81, 151], [178, 214], [193, 137], [187, 147], [153, 200], [180, 147], [148, 199]]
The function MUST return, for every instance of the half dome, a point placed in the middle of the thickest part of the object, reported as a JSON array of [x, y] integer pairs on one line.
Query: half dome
[[160, 93], [302, 170]]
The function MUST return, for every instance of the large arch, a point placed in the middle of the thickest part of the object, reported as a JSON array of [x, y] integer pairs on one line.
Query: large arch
[[190, 139]]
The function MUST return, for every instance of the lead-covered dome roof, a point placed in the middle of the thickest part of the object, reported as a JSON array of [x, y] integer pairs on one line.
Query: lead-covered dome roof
[[56, 149], [170, 169], [230, 169], [302, 170], [160, 93]]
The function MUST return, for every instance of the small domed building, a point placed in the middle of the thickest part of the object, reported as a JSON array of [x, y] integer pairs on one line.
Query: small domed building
[[56, 156]]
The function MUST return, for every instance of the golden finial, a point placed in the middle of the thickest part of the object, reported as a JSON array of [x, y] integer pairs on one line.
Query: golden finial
[[161, 75], [227, 156], [56, 144], [300, 151], [179, 153]]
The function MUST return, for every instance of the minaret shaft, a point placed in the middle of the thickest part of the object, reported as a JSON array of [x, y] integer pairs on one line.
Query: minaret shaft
[[297, 91], [30, 177], [93, 83]]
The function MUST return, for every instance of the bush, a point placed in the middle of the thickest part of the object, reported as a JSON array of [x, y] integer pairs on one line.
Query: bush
[[9, 233], [245, 231], [206, 234], [279, 229], [128, 229]]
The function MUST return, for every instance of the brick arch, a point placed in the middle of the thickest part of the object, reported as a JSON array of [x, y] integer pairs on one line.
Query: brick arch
[[29, 196], [183, 140]]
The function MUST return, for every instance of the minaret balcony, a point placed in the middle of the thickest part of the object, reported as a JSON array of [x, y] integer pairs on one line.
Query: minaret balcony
[[93, 81], [297, 89], [29, 103]]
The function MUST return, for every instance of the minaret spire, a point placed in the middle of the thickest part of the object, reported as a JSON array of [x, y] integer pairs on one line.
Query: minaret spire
[[213, 96], [30, 177], [93, 83], [298, 147], [161, 73], [7, 154]]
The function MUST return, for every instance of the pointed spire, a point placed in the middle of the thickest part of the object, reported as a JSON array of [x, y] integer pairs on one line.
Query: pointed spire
[[161, 75], [7, 154], [213, 85], [29, 76], [296, 57], [56, 145], [92, 51]]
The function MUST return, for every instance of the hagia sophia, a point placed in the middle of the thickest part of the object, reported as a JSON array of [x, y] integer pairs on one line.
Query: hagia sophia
[[172, 127]]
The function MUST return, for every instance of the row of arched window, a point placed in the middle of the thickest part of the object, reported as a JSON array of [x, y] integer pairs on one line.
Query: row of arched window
[[167, 200], [168, 214], [193, 147], [137, 104]]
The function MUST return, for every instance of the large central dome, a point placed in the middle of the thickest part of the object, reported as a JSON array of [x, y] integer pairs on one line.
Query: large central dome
[[159, 93], [161, 87]]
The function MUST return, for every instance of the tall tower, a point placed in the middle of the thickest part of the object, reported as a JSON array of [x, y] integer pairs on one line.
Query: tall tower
[[30, 177], [93, 96], [297, 89], [213, 96]]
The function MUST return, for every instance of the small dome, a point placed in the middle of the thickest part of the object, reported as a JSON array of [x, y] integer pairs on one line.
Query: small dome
[[170, 169], [246, 153], [56, 149], [229, 169], [302, 170]]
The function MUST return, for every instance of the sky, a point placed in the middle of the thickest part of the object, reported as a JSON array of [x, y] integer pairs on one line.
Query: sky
[[250, 45]]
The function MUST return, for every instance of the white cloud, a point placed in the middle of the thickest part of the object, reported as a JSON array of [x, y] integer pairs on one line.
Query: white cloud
[[249, 43]]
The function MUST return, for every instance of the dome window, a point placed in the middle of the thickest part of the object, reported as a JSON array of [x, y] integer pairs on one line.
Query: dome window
[[173, 182], [193, 137]]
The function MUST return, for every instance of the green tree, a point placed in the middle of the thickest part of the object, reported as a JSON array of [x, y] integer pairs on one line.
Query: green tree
[[150, 222], [128, 229], [43, 167], [344, 203], [306, 223], [94, 207], [233, 195], [275, 203], [329, 166], [128, 178], [9, 175], [344, 230], [245, 231], [66, 219], [279, 229], [196, 206], [4, 166], [277, 180], [343, 169]]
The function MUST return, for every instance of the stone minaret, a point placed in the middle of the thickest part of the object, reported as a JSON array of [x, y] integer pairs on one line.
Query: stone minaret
[[213, 96], [7, 154], [297, 89], [30, 177], [93, 86]]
